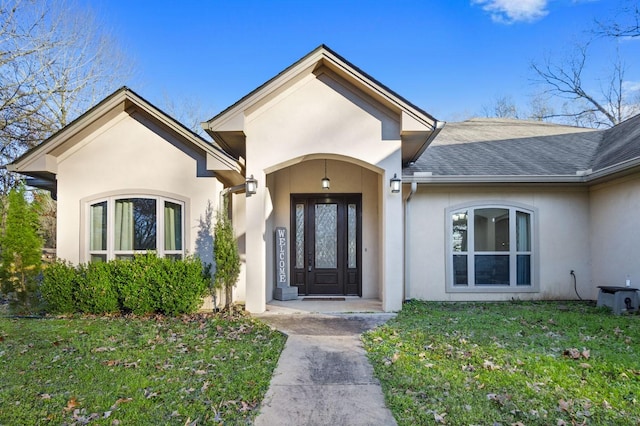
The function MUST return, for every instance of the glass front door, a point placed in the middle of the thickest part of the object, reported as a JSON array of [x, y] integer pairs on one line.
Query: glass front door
[[325, 252]]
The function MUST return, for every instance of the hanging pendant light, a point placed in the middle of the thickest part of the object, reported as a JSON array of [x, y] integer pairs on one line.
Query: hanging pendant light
[[326, 183]]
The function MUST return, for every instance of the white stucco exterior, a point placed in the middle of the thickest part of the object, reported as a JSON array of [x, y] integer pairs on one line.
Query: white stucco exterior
[[561, 227], [615, 232], [129, 157], [322, 115], [288, 138]]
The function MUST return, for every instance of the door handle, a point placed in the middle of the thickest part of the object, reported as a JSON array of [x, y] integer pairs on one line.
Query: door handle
[[310, 263]]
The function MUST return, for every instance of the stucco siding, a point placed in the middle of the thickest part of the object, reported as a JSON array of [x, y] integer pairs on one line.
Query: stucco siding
[[288, 137], [561, 225], [615, 232], [133, 157]]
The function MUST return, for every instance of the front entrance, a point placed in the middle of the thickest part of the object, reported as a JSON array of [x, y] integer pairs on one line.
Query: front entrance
[[326, 244]]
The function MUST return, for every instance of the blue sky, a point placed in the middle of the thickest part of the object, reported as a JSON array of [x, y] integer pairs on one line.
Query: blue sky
[[449, 57]]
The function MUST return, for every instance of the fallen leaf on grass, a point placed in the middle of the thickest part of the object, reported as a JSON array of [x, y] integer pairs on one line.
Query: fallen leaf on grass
[[489, 365], [439, 418], [585, 365], [45, 396], [72, 404], [103, 349], [564, 405], [574, 353]]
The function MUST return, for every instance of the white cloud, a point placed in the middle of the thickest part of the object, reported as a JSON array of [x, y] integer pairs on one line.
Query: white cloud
[[509, 11], [631, 86]]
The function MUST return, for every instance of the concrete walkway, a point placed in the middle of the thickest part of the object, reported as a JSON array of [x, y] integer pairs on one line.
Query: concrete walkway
[[323, 376]]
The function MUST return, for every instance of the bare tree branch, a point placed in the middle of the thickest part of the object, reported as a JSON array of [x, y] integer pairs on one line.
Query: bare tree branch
[[626, 25], [55, 62], [607, 106]]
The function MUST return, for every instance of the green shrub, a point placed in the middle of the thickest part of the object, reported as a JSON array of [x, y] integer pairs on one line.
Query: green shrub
[[146, 284], [58, 285], [180, 285], [20, 253], [96, 293], [131, 278], [227, 257]]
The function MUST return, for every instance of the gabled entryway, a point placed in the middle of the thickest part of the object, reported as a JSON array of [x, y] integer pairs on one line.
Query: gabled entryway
[[323, 112]]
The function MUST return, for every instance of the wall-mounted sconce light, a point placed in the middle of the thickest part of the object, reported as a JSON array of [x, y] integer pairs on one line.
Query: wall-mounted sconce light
[[252, 185], [326, 182], [395, 183]]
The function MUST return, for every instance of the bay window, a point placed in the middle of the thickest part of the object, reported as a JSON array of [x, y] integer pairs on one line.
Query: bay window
[[490, 248], [119, 227]]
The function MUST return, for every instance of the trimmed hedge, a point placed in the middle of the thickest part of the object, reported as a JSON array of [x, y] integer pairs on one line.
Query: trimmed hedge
[[144, 285]]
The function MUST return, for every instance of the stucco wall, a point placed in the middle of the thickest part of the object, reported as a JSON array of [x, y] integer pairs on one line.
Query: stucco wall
[[562, 232], [615, 232], [315, 118], [126, 156]]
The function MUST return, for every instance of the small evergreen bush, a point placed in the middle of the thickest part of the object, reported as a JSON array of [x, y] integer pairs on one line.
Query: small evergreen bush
[[21, 253], [144, 285], [96, 293], [227, 257], [181, 285], [58, 285], [132, 280]]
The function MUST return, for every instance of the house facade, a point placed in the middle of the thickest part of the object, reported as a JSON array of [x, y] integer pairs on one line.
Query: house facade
[[370, 195]]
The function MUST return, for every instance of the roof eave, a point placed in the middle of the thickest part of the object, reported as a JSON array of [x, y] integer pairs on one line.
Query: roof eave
[[494, 179]]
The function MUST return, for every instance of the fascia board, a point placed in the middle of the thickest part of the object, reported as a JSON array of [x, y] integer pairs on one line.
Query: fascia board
[[469, 180]]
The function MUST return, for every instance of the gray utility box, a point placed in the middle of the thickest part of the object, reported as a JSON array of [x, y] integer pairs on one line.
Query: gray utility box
[[619, 299]]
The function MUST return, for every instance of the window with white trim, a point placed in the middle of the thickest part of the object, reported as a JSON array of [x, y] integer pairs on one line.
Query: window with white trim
[[490, 248], [120, 227]]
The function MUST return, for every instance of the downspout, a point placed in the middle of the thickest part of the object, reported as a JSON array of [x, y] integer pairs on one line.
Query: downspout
[[407, 233]]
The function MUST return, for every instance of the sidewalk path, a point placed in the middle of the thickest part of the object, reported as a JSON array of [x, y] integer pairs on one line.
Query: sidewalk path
[[323, 376]]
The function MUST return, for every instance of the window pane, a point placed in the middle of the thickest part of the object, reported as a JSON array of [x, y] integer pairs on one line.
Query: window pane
[[460, 274], [135, 226], [459, 231], [299, 236], [491, 230], [98, 258], [524, 269], [523, 231], [326, 235], [98, 226], [492, 270], [352, 246], [172, 226]]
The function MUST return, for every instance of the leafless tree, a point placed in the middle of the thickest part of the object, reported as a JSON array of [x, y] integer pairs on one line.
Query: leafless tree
[[55, 62], [626, 24], [604, 106], [501, 107]]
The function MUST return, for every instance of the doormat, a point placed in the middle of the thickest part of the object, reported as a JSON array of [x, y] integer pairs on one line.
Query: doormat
[[323, 299]]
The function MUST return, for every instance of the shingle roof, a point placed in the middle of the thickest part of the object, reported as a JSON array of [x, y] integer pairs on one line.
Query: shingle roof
[[501, 147], [619, 144]]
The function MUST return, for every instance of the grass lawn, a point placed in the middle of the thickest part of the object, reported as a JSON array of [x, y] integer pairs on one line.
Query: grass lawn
[[120, 371], [517, 363]]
